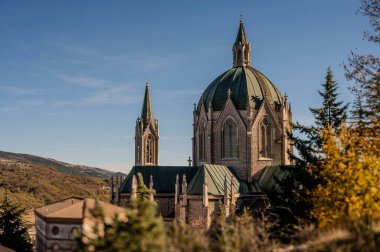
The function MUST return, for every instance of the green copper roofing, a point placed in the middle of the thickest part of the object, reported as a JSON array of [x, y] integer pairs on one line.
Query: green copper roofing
[[146, 112], [215, 176], [164, 177], [241, 36], [247, 86], [269, 176]]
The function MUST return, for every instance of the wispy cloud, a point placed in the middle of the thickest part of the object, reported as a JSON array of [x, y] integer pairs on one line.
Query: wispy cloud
[[21, 91], [139, 61], [118, 95], [107, 95], [82, 81]]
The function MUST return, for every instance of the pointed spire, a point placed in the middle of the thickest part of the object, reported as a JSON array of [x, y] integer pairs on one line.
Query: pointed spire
[[176, 190], [146, 112], [151, 194], [225, 199], [229, 93], [241, 36], [151, 182], [232, 191], [205, 193], [184, 191], [241, 48], [134, 187]]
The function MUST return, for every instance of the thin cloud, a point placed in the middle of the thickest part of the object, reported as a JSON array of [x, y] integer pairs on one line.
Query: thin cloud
[[21, 91], [109, 95], [138, 60], [82, 81]]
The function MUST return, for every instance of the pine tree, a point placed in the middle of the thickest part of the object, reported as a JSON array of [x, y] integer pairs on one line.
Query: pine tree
[[13, 232], [294, 203], [332, 113]]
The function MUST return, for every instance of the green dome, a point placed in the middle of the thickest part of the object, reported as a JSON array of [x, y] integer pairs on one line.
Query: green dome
[[246, 84]]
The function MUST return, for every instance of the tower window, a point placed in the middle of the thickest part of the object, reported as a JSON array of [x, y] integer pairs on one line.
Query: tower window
[[239, 56], [149, 150], [202, 141], [265, 139], [230, 139]]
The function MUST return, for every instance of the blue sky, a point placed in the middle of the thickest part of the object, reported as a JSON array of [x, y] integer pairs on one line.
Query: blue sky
[[72, 73]]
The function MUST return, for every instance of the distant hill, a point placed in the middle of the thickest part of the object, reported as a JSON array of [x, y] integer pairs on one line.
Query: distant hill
[[32, 184], [56, 165]]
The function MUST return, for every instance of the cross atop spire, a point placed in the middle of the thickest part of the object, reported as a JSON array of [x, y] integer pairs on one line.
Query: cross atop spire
[[146, 112]]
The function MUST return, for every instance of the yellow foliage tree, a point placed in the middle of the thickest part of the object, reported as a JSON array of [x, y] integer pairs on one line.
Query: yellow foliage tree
[[351, 178]]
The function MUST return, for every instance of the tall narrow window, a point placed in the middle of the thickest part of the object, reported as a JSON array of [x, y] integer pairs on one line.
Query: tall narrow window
[[149, 150], [239, 56], [265, 139], [202, 141], [230, 139]]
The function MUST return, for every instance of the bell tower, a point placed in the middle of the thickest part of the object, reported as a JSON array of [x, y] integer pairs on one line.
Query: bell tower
[[241, 48], [146, 134]]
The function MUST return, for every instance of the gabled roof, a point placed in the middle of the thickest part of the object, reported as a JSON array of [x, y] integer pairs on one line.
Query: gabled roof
[[146, 112], [215, 176], [58, 209], [75, 209], [164, 177], [268, 175]]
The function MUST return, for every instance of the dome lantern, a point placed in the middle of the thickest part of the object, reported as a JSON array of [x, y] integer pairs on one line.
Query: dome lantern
[[241, 48]]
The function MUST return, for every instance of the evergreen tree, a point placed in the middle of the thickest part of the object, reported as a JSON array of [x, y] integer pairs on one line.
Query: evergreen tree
[[332, 113], [364, 69], [142, 190], [358, 118], [293, 206], [13, 232]]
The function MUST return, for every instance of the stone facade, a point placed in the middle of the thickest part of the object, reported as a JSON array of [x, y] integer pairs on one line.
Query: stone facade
[[239, 128], [57, 223], [147, 134], [269, 106]]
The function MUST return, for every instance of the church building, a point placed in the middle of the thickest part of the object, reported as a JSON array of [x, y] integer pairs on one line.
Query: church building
[[239, 141]]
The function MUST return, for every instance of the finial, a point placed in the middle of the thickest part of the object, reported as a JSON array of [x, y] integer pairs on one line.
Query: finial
[[151, 182], [189, 160], [147, 83], [241, 17], [229, 92]]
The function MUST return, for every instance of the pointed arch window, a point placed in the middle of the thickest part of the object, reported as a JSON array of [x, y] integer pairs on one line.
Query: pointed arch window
[[230, 139], [266, 138], [202, 141], [149, 150]]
